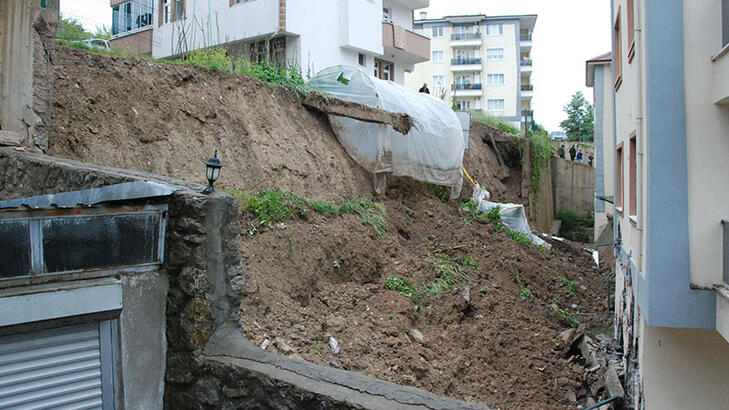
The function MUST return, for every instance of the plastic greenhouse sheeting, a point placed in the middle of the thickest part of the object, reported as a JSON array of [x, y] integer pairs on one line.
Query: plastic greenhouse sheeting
[[433, 149], [512, 215]]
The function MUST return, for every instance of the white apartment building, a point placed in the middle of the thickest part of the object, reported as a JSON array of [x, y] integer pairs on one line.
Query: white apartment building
[[310, 34], [670, 79], [599, 78], [479, 63]]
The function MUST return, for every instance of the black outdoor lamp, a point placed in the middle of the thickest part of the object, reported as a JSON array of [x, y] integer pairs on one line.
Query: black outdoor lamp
[[212, 172]]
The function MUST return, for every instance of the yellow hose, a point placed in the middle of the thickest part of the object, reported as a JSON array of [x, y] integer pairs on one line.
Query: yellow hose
[[469, 177]]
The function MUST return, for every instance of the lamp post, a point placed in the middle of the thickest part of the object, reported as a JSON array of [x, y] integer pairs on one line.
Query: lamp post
[[212, 172]]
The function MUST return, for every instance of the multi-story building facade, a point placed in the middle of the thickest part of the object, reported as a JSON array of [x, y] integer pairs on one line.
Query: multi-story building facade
[[479, 63], [670, 81], [310, 34], [599, 78]]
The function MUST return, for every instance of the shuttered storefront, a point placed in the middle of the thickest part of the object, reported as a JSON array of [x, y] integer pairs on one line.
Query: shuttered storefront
[[55, 368]]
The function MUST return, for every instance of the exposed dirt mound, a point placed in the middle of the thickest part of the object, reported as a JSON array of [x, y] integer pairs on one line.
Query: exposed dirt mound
[[482, 341], [167, 119]]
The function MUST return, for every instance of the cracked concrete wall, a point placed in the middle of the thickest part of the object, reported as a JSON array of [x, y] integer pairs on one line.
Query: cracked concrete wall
[[26, 28]]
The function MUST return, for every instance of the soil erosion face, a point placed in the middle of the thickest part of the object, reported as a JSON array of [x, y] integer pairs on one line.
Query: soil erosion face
[[484, 340]]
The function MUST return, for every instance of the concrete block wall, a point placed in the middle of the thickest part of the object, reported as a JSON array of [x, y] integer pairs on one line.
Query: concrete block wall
[[574, 187]]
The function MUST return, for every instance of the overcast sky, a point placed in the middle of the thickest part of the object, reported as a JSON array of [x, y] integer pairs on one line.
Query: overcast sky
[[567, 33]]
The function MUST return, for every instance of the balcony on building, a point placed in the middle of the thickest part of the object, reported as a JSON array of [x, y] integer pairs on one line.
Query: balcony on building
[[525, 42], [466, 64], [467, 90], [527, 91], [412, 4], [466, 39], [407, 47], [526, 65]]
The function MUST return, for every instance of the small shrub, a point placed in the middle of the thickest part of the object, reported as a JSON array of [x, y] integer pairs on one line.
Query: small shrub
[[494, 215], [570, 286], [215, 59], [565, 314], [520, 237], [440, 191]]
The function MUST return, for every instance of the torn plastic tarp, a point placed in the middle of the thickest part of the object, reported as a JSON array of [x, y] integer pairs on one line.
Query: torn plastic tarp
[[432, 151], [512, 215]]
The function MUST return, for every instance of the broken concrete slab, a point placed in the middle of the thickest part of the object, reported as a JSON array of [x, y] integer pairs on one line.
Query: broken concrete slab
[[229, 350], [335, 106], [10, 138]]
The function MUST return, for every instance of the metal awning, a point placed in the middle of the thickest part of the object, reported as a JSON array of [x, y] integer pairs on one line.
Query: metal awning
[[89, 197]]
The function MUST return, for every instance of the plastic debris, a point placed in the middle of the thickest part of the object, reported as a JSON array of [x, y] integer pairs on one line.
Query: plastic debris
[[334, 345]]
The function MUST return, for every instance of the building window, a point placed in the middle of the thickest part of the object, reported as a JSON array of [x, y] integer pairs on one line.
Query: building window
[[437, 32], [632, 175], [631, 30], [494, 29], [362, 60], [179, 9], [495, 79], [438, 81], [495, 105], [437, 56], [477, 105], [386, 15], [130, 16], [463, 79], [463, 105], [494, 53], [619, 178], [384, 70], [617, 52], [166, 11]]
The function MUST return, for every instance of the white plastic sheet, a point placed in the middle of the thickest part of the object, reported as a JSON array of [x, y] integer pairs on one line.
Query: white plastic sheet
[[432, 151], [512, 215]]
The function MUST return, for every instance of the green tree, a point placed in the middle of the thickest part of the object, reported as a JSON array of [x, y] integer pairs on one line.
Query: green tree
[[70, 29], [579, 124]]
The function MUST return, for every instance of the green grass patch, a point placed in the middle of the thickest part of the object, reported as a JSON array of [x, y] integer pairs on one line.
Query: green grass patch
[[449, 275], [467, 261], [524, 291], [403, 287], [272, 206], [496, 123]]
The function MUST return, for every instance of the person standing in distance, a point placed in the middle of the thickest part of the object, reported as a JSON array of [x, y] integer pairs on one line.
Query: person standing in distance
[[424, 89]]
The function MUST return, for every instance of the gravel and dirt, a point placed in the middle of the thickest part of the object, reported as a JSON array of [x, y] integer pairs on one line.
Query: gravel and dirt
[[308, 280]]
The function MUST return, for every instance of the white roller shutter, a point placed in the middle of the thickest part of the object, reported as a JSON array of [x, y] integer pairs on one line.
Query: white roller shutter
[[54, 368]]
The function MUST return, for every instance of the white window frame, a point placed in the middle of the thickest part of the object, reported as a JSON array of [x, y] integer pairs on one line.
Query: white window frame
[[463, 105], [500, 30], [167, 10], [495, 54], [440, 53], [493, 104], [495, 80], [438, 81], [437, 32], [140, 11], [477, 105]]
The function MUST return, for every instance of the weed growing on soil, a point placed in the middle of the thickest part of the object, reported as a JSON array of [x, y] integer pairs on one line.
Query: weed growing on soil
[[467, 261], [520, 237], [493, 215], [496, 124], [449, 276], [565, 314], [440, 192], [524, 291], [271, 206], [403, 287], [570, 286]]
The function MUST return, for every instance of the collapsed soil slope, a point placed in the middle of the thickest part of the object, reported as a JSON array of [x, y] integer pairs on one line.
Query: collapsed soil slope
[[312, 278], [167, 119], [482, 341]]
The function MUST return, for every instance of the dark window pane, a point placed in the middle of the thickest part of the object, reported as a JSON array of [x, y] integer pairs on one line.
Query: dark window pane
[[14, 248], [99, 241]]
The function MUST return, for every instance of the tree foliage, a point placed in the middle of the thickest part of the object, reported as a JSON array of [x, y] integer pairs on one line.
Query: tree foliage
[[71, 30], [579, 124]]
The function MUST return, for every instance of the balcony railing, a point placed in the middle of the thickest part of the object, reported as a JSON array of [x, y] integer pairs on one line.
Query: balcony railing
[[526, 62], [464, 61], [527, 87], [465, 36], [475, 86], [525, 37]]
